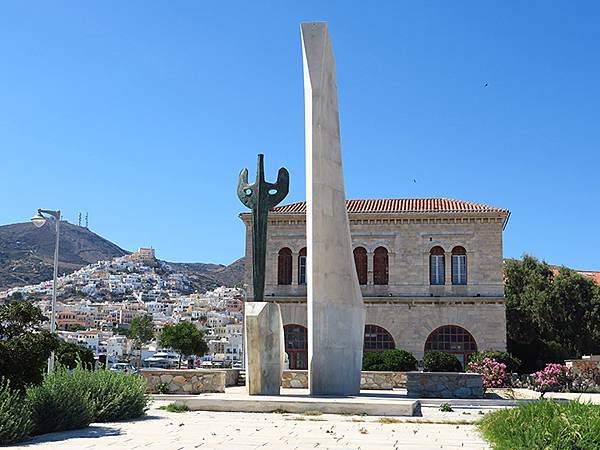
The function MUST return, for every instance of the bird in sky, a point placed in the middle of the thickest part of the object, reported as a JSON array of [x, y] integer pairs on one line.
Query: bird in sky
[[485, 85], [414, 181]]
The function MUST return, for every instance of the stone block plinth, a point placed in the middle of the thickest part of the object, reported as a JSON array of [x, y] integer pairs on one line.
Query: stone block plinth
[[264, 348], [444, 385]]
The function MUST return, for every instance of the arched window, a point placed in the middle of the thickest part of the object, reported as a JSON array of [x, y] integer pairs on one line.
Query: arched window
[[380, 266], [284, 265], [296, 345], [360, 261], [459, 265], [452, 339], [377, 339], [437, 267], [302, 266]]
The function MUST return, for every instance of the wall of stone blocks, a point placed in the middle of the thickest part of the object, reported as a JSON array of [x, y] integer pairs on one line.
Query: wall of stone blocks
[[409, 308], [408, 242], [410, 323], [444, 385], [195, 381], [368, 380]]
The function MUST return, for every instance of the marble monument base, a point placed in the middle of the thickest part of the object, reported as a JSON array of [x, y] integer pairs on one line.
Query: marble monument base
[[265, 350]]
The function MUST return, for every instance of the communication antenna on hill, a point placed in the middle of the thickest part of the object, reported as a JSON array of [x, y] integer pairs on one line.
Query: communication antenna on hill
[[86, 220], [79, 221]]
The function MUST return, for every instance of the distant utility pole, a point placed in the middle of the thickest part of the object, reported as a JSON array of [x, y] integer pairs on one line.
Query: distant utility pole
[[86, 220], [79, 222]]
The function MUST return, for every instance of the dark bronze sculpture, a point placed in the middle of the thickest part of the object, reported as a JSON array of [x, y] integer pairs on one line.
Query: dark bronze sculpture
[[260, 197]]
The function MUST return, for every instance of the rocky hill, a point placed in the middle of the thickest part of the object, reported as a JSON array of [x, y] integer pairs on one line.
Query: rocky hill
[[212, 275], [27, 252], [26, 256]]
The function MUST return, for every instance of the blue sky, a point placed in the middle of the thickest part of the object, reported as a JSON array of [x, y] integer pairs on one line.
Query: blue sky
[[143, 113]]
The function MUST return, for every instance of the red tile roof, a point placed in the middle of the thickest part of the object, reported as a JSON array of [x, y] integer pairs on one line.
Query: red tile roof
[[400, 205], [594, 276]]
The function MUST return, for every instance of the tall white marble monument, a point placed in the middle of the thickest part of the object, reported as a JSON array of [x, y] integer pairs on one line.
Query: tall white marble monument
[[336, 314]]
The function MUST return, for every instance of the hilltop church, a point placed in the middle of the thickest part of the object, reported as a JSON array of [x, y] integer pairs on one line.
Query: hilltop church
[[430, 272]]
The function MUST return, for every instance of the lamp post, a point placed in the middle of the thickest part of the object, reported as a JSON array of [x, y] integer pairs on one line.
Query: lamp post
[[39, 220]]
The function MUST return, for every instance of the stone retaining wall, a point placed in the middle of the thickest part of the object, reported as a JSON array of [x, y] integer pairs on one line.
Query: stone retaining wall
[[382, 380], [444, 385], [191, 381], [368, 380]]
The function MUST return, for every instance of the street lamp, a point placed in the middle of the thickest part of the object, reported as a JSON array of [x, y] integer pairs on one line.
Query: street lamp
[[43, 215]]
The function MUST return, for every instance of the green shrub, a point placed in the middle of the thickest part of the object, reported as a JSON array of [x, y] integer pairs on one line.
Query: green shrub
[[15, 416], [59, 404], [399, 360], [512, 364], [373, 361], [24, 359], [395, 360], [446, 407], [175, 407], [434, 361], [71, 355], [544, 424], [114, 396]]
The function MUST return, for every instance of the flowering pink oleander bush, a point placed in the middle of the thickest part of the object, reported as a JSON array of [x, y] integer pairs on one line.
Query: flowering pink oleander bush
[[552, 378], [494, 373]]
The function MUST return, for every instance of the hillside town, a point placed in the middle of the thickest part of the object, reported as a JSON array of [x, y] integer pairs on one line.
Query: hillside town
[[97, 304]]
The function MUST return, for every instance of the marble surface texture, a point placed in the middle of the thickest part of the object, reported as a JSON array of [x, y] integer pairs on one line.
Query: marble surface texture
[[335, 307]]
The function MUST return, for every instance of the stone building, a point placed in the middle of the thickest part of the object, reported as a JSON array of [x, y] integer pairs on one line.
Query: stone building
[[430, 272]]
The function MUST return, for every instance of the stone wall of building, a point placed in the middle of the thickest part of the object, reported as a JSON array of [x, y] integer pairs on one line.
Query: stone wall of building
[[410, 320], [195, 381], [368, 380], [409, 307], [444, 385], [408, 240]]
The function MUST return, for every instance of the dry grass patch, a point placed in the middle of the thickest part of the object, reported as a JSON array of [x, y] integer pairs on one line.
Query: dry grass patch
[[389, 420]]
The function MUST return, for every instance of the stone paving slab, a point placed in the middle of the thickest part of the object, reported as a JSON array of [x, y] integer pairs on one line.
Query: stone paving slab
[[217, 430], [239, 392], [300, 402]]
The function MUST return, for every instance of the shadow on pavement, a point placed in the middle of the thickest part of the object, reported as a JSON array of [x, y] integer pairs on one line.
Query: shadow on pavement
[[94, 431]]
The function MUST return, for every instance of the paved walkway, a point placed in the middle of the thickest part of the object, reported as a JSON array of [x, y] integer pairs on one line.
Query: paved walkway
[[214, 430]]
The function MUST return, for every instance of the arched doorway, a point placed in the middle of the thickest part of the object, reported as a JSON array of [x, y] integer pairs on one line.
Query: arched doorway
[[452, 339], [296, 345], [377, 339]]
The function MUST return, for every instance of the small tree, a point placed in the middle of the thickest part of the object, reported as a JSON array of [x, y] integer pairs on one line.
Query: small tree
[[141, 331], [69, 354], [19, 318], [24, 346], [184, 338]]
